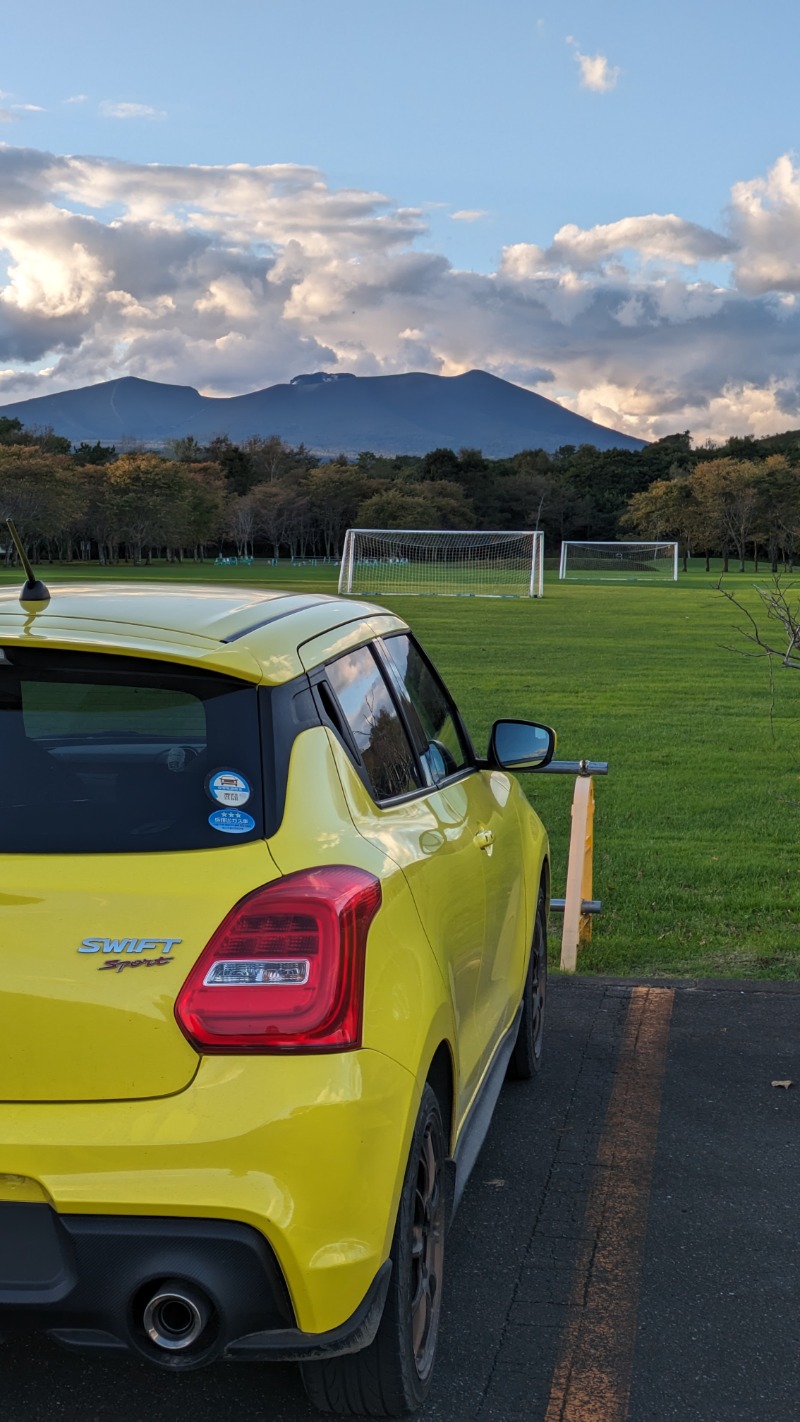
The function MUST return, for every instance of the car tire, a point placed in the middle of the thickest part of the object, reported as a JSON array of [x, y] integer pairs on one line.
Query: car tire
[[526, 1058], [392, 1376]]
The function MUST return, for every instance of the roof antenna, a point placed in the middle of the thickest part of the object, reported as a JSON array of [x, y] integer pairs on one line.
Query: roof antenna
[[33, 590]]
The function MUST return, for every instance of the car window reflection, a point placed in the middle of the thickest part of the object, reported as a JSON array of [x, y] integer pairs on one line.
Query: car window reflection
[[441, 749], [376, 727]]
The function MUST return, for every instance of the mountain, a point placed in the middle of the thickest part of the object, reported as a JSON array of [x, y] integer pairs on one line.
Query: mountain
[[389, 414]]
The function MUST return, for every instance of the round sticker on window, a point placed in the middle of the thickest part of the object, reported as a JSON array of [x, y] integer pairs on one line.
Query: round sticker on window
[[228, 787], [231, 821]]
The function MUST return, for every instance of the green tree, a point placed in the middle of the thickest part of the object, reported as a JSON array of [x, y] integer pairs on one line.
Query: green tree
[[11, 431], [777, 486], [96, 453], [440, 464], [335, 492], [440, 504]]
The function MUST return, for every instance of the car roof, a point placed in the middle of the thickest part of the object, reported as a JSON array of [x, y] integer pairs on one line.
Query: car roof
[[252, 633]]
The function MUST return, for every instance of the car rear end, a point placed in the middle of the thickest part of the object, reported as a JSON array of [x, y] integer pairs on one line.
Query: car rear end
[[199, 1155]]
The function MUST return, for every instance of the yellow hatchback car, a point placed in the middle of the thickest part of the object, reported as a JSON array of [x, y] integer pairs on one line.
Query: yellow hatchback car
[[271, 937]]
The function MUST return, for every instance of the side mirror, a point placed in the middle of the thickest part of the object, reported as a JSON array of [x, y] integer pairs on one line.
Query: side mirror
[[521, 745]]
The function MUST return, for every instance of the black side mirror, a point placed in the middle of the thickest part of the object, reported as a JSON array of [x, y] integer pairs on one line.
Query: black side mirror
[[521, 745]]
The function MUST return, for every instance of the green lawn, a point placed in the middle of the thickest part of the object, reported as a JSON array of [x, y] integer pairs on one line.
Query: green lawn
[[696, 825]]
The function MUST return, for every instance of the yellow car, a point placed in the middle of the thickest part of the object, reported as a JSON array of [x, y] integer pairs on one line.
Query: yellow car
[[271, 936]]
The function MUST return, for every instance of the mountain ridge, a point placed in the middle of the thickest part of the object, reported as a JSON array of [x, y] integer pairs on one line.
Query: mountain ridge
[[388, 414]]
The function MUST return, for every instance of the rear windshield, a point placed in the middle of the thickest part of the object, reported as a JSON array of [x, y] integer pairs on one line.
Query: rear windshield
[[103, 755]]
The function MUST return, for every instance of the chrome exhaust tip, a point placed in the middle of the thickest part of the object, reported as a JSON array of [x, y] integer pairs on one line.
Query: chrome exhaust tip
[[176, 1315]]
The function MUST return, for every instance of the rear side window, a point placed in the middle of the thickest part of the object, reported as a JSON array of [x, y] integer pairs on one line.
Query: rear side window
[[374, 723], [114, 754], [428, 709]]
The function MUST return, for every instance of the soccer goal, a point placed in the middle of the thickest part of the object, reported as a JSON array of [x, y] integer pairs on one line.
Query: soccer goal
[[619, 562], [429, 562]]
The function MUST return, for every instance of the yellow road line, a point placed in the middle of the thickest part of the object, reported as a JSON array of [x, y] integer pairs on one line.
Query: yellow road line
[[592, 1377]]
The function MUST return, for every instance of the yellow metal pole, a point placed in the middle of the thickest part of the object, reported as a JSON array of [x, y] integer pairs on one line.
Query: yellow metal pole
[[578, 925]]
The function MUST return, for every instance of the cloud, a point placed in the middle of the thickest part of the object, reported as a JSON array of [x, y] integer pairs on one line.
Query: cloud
[[596, 72], [468, 214], [15, 107], [765, 219], [76, 99], [658, 236], [129, 111], [233, 278]]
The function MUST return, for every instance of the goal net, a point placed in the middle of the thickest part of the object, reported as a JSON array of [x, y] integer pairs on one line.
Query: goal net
[[619, 562], [427, 562]]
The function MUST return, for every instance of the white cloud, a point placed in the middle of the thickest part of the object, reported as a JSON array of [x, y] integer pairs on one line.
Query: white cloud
[[596, 72], [765, 218], [130, 111], [29, 108], [656, 237], [76, 99], [233, 278], [468, 214]]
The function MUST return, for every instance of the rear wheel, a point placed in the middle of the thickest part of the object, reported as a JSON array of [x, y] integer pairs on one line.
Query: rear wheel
[[392, 1376], [526, 1057]]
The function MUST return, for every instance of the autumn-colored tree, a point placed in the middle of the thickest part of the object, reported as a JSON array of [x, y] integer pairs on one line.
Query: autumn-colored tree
[[271, 505], [44, 496], [151, 502], [725, 491], [667, 509], [241, 523]]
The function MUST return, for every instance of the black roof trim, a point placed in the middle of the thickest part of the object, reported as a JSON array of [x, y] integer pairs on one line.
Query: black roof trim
[[275, 617]]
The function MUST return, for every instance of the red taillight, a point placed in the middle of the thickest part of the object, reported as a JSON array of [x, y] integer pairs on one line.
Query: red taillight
[[284, 972]]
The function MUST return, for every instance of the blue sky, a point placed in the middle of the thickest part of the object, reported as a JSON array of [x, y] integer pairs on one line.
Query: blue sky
[[450, 141]]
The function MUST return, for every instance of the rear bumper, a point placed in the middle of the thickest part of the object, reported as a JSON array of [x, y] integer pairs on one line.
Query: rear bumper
[[86, 1281], [309, 1155]]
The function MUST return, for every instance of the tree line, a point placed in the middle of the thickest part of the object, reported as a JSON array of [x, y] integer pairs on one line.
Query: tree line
[[733, 508], [194, 501]]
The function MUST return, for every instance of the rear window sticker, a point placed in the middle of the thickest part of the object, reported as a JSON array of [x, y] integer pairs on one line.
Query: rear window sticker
[[231, 821], [228, 787]]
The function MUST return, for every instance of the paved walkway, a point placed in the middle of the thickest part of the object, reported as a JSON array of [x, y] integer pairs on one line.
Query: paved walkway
[[628, 1249]]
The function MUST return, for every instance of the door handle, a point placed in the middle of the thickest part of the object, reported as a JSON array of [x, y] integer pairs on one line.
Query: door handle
[[484, 839]]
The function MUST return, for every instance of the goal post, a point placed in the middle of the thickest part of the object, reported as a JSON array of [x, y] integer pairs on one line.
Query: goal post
[[619, 562], [426, 562]]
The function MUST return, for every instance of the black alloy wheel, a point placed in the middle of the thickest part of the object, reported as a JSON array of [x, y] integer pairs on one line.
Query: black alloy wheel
[[526, 1058], [427, 1247], [392, 1377]]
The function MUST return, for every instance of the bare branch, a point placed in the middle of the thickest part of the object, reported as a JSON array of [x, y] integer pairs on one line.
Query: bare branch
[[778, 609]]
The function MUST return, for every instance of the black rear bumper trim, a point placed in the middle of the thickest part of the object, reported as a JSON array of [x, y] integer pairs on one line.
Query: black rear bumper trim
[[289, 1345], [85, 1280]]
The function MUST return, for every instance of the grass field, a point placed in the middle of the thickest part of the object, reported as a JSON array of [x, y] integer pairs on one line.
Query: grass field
[[696, 828]]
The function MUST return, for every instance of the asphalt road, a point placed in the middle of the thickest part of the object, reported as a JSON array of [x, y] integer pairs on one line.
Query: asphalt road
[[628, 1248]]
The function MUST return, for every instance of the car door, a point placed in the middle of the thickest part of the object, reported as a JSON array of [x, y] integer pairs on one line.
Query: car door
[[490, 808], [426, 828]]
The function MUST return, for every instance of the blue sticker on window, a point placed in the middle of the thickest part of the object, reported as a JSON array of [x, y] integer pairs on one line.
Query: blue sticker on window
[[228, 787], [232, 821]]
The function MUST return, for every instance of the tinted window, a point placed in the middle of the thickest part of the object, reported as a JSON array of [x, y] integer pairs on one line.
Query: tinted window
[[112, 754], [376, 727], [441, 748]]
